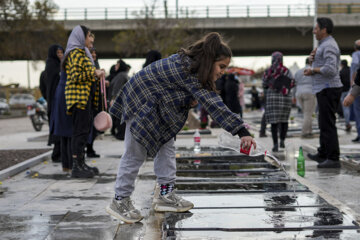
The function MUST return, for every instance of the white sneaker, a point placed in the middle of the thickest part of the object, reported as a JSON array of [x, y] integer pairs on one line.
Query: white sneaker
[[172, 203], [124, 210]]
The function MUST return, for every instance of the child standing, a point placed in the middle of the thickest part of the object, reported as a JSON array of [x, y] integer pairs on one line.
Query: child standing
[[154, 103]]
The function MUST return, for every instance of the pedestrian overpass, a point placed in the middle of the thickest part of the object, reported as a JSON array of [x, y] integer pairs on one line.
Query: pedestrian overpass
[[254, 30]]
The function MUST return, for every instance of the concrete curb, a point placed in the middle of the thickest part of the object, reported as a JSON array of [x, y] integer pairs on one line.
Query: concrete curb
[[345, 161], [330, 199], [11, 171]]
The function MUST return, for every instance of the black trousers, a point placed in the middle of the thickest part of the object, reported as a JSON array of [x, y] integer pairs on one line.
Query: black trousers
[[279, 127], [56, 151], [263, 124], [328, 100], [81, 123], [66, 155]]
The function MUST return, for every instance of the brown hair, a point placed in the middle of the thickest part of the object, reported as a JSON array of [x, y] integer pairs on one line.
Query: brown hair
[[204, 53]]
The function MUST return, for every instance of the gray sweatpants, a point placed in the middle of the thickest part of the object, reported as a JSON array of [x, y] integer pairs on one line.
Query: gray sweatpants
[[134, 156]]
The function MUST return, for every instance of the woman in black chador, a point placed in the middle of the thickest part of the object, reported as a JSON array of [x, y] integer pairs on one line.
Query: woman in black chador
[[52, 74]]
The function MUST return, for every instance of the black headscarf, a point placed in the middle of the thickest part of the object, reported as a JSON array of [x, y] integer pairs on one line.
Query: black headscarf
[[119, 80], [123, 66], [113, 72], [152, 56], [52, 70], [96, 61]]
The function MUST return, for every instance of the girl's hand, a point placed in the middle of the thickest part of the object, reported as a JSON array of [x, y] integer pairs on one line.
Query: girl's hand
[[247, 141], [348, 100]]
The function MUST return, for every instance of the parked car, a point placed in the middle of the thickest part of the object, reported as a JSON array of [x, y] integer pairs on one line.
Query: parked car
[[21, 99], [4, 107]]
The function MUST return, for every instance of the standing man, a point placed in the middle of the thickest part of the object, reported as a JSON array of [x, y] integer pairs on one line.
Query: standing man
[[325, 60], [305, 97]]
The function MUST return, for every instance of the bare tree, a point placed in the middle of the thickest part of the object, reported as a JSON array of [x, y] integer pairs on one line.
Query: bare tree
[[166, 35], [27, 30]]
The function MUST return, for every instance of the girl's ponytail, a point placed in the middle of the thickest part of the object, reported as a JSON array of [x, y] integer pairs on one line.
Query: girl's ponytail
[[204, 53], [212, 42]]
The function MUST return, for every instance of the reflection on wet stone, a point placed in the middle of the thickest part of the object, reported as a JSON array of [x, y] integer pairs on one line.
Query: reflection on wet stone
[[170, 221], [129, 231], [237, 193]]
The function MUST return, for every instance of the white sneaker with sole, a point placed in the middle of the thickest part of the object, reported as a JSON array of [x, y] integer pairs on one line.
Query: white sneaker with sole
[[124, 210], [172, 203]]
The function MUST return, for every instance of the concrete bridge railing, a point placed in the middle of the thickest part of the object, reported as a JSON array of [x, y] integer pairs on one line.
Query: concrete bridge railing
[[224, 11], [219, 11]]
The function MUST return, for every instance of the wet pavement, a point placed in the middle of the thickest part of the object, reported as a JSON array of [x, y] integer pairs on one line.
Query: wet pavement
[[235, 196], [228, 189]]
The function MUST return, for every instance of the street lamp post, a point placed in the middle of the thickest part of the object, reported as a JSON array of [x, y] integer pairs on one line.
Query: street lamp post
[[28, 73], [315, 42], [177, 8], [165, 9]]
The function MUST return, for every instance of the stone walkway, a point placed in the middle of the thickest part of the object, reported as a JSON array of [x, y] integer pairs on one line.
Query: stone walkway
[[44, 203]]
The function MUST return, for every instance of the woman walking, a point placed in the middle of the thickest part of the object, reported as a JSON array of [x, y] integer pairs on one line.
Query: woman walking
[[278, 81]]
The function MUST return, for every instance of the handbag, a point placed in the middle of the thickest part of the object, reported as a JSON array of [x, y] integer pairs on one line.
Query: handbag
[[103, 120], [282, 84]]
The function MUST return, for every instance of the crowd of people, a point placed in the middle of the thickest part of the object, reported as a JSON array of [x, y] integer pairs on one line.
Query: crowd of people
[[151, 107]]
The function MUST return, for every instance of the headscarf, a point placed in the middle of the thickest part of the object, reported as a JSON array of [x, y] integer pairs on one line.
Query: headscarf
[[52, 70], [52, 52], [276, 69], [151, 57], [97, 65], [123, 66], [77, 40]]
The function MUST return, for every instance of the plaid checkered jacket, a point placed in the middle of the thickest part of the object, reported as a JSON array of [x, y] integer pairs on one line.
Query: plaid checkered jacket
[[157, 100], [80, 77]]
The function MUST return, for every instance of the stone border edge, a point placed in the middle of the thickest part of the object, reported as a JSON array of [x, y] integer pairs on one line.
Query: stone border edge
[[13, 170], [322, 193]]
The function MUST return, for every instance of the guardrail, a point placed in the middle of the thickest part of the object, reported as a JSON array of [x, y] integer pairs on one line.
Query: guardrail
[[225, 11], [220, 11]]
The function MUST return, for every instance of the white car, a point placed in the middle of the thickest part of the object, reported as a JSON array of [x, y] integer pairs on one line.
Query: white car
[[4, 107], [21, 99]]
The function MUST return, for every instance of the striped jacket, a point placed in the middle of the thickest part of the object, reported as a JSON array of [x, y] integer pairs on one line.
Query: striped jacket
[[157, 100], [80, 78]]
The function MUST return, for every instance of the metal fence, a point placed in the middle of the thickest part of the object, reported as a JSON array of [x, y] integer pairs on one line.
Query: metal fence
[[186, 12]]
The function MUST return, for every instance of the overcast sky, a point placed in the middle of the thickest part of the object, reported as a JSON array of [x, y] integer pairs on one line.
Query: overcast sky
[[16, 71], [135, 3]]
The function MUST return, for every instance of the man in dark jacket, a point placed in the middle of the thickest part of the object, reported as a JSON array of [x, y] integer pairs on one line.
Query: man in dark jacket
[[345, 80]]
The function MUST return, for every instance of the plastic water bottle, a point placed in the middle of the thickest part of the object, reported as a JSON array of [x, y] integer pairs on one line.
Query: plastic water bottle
[[197, 139], [301, 163]]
